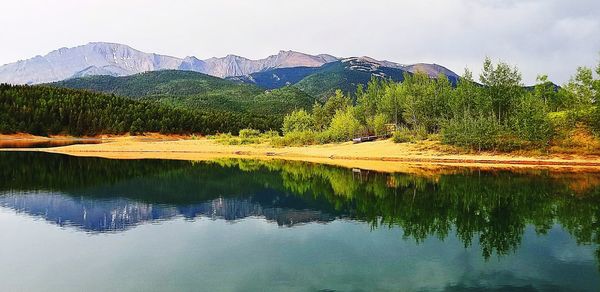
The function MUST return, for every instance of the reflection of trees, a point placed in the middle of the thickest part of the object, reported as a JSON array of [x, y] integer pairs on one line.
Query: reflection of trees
[[491, 207]]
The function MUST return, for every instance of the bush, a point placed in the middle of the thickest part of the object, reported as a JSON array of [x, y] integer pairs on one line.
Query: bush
[[270, 134], [344, 127], [479, 133], [379, 122], [249, 133], [297, 138], [298, 121], [420, 132], [323, 137], [561, 120], [596, 119], [530, 123], [403, 135]]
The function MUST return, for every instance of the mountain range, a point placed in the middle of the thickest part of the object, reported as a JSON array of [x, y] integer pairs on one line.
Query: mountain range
[[275, 71]]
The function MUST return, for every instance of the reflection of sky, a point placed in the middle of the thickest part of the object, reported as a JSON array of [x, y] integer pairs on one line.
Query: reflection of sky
[[209, 255]]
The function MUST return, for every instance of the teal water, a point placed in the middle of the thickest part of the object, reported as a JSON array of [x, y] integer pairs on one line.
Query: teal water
[[89, 224]]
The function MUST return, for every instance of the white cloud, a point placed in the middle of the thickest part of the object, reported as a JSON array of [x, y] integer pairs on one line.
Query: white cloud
[[540, 36]]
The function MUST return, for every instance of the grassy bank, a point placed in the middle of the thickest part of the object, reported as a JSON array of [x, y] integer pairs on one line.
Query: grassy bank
[[383, 155]]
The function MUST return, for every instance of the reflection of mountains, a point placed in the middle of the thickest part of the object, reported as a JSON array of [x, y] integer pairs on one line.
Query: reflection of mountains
[[116, 214]]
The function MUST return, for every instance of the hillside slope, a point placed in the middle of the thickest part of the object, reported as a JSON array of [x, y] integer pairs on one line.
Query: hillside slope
[[276, 78], [46, 110], [345, 75], [197, 91]]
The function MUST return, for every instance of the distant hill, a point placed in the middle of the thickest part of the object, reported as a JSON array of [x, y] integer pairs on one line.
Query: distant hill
[[162, 83], [80, 112], [197, 91], [433, 70], [346, 75], [276, 78]]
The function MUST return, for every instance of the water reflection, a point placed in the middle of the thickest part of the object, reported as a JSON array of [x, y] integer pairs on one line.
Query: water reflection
[[118, 214], [492, 209], [24, 143]]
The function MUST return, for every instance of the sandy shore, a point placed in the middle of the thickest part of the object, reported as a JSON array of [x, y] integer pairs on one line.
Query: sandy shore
[[379, 155]]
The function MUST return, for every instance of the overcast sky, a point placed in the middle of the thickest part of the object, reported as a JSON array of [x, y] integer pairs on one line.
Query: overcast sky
[[539, 36]]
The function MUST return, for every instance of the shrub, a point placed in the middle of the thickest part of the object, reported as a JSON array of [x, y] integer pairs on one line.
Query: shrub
[[249, 133], [420, 132], [560, 120], [220, 136], [323, 137], [344, 126], [246, 141], [297, 138], [596, 119], [530, 123], [298, 121], [270, 134], [403, 135], [231, 141], [379, 122], [480, 133]]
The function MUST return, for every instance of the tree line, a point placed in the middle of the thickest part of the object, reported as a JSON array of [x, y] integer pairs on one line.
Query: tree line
[[496, 113], [45, 110]]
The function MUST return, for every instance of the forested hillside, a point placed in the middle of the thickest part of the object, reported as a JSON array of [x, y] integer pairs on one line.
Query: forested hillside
[[163, 83], [46, 110], [276, 78], [323, 83], [197, 91]]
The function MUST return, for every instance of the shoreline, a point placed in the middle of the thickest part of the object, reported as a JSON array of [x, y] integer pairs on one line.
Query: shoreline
[[383, 155]]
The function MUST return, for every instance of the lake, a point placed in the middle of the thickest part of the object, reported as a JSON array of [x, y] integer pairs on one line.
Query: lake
[[91, 224]]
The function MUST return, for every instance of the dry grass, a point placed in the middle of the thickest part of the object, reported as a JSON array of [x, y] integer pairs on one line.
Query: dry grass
[[578, 141], [383, 155]]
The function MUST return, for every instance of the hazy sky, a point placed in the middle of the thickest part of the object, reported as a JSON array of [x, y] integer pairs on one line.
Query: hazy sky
[[540, 36]]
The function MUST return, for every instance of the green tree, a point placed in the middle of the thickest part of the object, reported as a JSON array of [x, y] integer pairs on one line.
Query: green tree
[[416, 88], [502, 85], [467, 99], [368, 101], [137, 127], [530, 120], [298, 121], [336, 103], [344, 126], [320, 119], [379, 124], [544, 90], [391, 104], [581, 86], [425, 100]]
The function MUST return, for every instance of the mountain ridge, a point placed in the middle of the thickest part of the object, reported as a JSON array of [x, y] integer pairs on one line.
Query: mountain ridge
[[103, 58], [113, 59]]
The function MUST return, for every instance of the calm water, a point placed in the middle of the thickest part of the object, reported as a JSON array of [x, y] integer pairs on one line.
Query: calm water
[[87, 224]]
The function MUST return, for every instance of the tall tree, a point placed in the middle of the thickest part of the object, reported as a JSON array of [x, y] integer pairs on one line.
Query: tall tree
[[581, 86], [466, 99], [502, 86], [546, 91]]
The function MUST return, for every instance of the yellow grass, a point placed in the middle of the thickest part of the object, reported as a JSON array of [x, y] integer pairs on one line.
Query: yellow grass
[[379, 155]]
